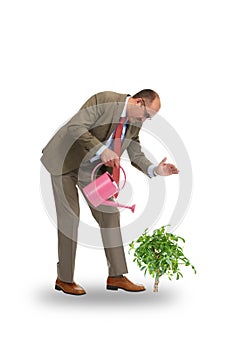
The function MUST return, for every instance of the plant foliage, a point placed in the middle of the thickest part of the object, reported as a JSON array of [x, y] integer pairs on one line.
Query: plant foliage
[[160, 253]]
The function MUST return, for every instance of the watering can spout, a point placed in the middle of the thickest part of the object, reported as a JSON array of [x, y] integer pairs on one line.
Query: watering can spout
[[133, 208], [116, 204]]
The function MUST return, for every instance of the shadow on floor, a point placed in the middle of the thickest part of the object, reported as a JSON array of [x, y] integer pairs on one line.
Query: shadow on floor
[[99, 297]]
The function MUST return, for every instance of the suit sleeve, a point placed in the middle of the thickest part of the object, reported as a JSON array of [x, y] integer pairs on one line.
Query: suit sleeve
[[79, 127], [137, 157]]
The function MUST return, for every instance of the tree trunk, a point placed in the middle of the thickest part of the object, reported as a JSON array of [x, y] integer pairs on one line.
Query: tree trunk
[[156, 285]]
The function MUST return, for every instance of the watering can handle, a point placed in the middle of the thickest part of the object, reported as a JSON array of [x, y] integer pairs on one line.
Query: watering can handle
[[98, 165]]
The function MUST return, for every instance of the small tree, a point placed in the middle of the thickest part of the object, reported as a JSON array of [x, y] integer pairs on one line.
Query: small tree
[[159, 254]]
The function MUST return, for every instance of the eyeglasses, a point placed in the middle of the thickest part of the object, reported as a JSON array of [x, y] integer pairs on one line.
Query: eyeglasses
[[146, 114]]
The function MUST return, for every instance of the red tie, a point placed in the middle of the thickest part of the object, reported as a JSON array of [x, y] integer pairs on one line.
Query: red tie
[[117, 148]]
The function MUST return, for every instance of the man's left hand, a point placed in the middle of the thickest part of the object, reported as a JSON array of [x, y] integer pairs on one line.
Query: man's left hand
[[165, 169]]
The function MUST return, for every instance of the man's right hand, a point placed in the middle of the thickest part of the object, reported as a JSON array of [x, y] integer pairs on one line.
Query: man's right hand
[[110, 158]]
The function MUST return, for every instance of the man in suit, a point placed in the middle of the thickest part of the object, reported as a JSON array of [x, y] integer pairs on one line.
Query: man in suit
[[70, 156]]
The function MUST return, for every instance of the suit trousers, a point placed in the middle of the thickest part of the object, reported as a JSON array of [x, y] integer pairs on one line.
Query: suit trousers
[[66, 199]]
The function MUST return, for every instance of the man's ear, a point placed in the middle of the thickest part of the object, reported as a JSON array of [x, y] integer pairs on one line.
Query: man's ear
[[139, 100]]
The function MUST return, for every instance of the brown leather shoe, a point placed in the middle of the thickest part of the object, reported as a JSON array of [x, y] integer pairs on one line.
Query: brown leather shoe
[[113, 283], [69, 288]]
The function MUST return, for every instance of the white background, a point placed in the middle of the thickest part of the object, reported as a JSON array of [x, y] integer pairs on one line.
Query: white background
[[54, 55]]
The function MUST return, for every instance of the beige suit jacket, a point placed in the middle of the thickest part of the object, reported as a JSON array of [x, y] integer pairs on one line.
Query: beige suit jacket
[[81, 137]]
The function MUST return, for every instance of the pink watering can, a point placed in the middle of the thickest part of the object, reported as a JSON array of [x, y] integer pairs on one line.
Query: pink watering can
[[104, 187]]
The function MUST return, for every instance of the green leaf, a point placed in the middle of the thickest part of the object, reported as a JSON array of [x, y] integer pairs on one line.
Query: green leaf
[[195, 271], [182, 239]]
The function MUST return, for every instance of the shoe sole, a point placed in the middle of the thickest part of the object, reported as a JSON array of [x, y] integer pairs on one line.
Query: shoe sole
[[127, 290], [61, 290]]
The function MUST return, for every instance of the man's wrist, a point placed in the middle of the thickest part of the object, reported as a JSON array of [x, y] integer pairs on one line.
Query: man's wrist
[[151, 171], [100, 151], [155, 171]]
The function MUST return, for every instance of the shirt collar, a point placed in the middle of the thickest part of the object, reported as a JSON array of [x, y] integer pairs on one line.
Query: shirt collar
[[123, 114]]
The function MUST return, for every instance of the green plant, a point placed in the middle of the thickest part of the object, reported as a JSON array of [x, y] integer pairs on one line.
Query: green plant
[[159, 254]]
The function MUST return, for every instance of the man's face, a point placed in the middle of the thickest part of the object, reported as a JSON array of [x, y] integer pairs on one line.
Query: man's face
[[140, 109]]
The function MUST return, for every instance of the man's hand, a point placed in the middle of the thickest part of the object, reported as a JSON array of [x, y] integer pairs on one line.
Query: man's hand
[[165, 169], [110, 158]]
